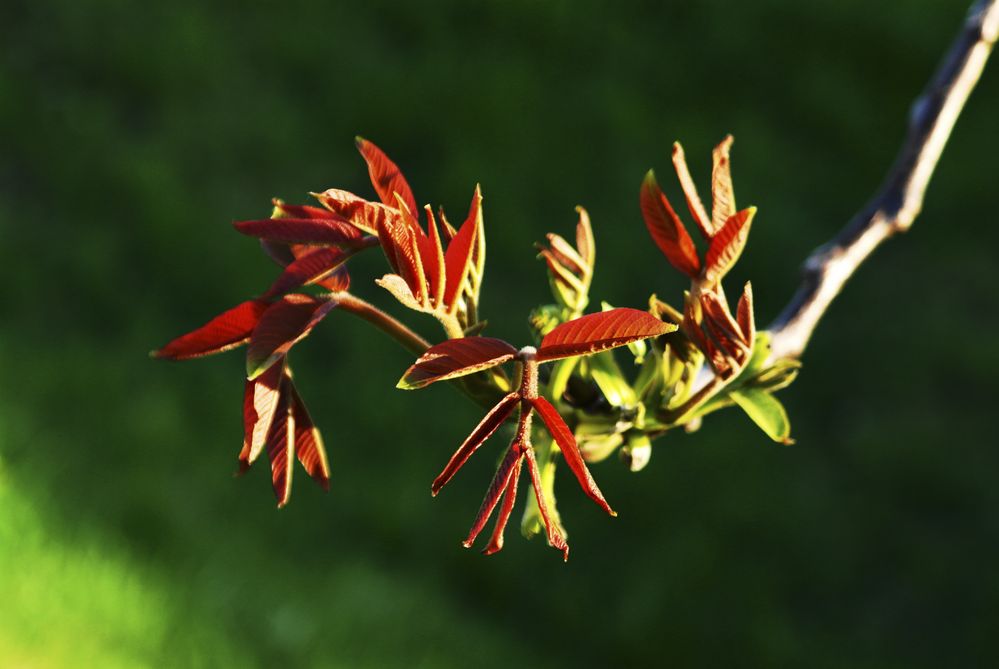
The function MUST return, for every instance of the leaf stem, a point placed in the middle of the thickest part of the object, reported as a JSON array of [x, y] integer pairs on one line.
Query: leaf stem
[[392, 327]]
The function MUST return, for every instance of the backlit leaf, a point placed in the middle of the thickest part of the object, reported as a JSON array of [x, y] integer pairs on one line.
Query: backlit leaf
[[260, 401], [727, 245], [456, 357], [666, 229], [694, 203], [555, 538], [570, 451], [744, 313], [600, 331], [509, 499], [226, 331], [400, 240], [766, 411], [315, 231], [312, 267], [399, 289], [282, 210], [281, 449], [309, 447], [722, 196], [507, 468], [432, 252], [284, 324], [458, 259], [385, 175], [585, 243], [493, 420], [360, 212]]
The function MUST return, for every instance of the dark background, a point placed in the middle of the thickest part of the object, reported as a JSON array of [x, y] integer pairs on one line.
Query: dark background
[[132, 134]]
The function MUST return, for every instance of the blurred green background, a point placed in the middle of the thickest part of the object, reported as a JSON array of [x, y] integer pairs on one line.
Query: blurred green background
[[134, 133]]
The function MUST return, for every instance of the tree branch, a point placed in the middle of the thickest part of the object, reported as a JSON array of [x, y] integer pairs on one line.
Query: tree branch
[[895, 206]]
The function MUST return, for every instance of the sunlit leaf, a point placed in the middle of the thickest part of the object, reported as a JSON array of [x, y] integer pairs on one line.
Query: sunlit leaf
[[507, 468], [493, 420], [260, 401], [316, 231], [727, 245], [399, 289], [432, 251], [456, 357], [281, 449], [555, 538], [600, 331], [722, 196], [282, 210], [458, 259], [360, 212], [766, 411], [694, 203], [226, 331], [509, 499], [666, 229], [744, 313], [385, 175], [309, 448], [313, 267], [570, 451], [400, 239], [284, 324], [585, 243]]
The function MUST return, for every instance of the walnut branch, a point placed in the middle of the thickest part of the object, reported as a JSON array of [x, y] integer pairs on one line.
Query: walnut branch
[[895, 206]]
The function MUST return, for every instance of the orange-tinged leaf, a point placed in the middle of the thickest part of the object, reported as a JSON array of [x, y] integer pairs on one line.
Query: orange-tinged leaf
[[555, 538], [667, 229], [309, 447], [507, 468], [400, 241], [458, 259], [566, 255], [456, 357], [562, 435], [722, 195], [281, 449], [226, 331], [509, 499], [496, 417], [432, 252], [399, 289], [364, 214], [744, 314], [717, 312], [585, 243], [694, 203], [727, 245], [312, 267], [260, 402], [315, 231], [284, 324], [385, 175], [599, 332], [282, 210]]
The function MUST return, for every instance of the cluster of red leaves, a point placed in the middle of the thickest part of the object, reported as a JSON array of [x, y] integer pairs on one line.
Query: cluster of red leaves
[[726, 341], [458, 357]]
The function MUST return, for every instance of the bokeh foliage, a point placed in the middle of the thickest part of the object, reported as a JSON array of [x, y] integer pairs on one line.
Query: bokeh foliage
[[133, 133]]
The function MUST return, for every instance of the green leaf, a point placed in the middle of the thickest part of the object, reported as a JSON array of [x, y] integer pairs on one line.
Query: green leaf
[[766, 412], [776, 377]]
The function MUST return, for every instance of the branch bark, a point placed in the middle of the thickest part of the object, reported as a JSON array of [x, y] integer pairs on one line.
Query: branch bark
[[899, 200]]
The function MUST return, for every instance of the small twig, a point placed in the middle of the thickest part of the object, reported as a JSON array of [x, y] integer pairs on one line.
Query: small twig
[[895, 206]]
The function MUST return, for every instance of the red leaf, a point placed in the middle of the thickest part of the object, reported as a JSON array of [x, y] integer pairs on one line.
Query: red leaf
[[260, 401], [727, 245], [585, 243], [722, 196], [666, 228], [226, 331], [316, 231], [458, 260], [360, 212], [400, 240], [454, 358], [694, 203], [496, 417], [432, 253], [509, 499], [385, 175], [282, 210], [570, 450], [308, 442], [312, 267], [600, 331], [555, 538], [284, 324], [281, 448], [507, 468], [744, 314]]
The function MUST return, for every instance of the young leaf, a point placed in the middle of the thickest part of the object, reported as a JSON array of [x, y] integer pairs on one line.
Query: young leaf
[[766, 412], [260, 401], [400, 239], [504, 472], [432, 252], [744, 313], [570, 451], [585, 243], [308, 442], [284, 324], [360, 212], [600, 331], [496, 417], [312, 267], [666, 228], [458, 260], [400, 290], [282, 210], [456, 357], [555, 538], [315, 231], [281, 449], [722, 196], [694, 203], [226, 331], [385, 175], [727, 245], [509, 499]]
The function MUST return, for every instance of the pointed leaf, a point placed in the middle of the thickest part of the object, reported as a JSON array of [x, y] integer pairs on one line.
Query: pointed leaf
[[360, 212], [509, 499], [744, 314], [281, 449], [766, 411], [506, 469], [719, 318], [308, 442], [260, 401], [228, 330], [722, 195], [666, 228], [458, 260], [284, 324], [399, 289], [385, 175], [316, 231], [555, 538], [313, 267], [493, 420], [599, 332], [585, 243], [282, 210], [456, 357], [400, 240], [570, 451], [727, 245], [694, 203], [432, 252]]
